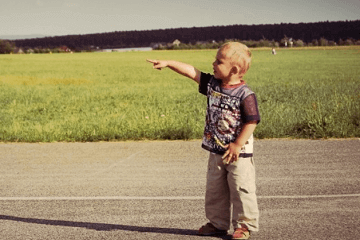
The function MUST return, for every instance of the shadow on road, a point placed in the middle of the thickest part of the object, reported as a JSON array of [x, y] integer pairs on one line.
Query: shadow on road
[[106, 226], [100, 226]]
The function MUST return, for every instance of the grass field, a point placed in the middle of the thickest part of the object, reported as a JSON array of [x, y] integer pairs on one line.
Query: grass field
[[302, 93]]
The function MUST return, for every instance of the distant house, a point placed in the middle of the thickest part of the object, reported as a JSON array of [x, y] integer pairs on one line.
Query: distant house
[[158, 45], [18, 51], [176, 42], [64, 49]]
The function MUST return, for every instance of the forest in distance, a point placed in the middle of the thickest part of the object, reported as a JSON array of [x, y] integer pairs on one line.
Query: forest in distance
[[306, 32]]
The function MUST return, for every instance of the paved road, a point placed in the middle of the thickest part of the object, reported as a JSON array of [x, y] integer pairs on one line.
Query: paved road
[[155, 190]]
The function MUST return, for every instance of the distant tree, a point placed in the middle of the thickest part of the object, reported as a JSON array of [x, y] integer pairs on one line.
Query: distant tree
[[299, 43], [273, 43], [323, 42], [6, 46], [284, 41], [263, 43], [29, 51], [251, 33], [315, 42], [349, 42]]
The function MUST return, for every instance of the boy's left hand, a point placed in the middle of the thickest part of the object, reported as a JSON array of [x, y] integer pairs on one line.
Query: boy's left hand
[[232, 153]]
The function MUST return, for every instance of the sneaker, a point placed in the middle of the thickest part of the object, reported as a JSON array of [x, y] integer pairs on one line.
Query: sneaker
[[241, 233], [210, 230]]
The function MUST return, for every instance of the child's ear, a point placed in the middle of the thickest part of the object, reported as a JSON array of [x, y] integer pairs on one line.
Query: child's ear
[[235, 70]]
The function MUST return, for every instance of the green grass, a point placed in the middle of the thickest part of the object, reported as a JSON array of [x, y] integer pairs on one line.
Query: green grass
[[306, 93]]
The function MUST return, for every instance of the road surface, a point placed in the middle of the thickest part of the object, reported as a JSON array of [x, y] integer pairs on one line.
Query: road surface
[[307, 189]]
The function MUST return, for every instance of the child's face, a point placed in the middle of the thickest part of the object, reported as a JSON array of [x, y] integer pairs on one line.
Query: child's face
[[222, 66]]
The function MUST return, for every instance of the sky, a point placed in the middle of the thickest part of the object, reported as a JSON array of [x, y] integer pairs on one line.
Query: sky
[[73, 17]]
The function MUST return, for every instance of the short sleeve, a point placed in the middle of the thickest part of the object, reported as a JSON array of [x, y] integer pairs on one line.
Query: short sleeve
[[249, 109], [204, 81]]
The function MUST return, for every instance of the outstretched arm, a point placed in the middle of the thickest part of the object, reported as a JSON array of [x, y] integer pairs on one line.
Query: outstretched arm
[[179, 67]]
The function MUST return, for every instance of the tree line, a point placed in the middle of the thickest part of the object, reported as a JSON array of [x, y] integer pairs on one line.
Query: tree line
[[300, 34]]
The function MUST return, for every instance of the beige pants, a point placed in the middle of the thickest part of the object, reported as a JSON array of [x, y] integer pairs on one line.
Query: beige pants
[[233, 186]]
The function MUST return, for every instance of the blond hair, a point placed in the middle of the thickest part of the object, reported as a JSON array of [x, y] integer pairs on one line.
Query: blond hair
[[239, 55]]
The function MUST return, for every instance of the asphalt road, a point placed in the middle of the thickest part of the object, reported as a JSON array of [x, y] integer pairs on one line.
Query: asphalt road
[[308, 189]]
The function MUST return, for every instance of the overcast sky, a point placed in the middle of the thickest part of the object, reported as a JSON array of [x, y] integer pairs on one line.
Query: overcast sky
[[65, 17]]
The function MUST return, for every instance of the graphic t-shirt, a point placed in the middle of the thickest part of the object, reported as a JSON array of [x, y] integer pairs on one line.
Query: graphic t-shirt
[[227, 111]]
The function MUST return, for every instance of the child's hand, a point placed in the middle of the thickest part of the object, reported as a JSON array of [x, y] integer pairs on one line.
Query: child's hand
[[158, 64], [232, 153]]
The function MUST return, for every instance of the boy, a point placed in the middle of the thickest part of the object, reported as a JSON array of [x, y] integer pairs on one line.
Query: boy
[[232, 116]]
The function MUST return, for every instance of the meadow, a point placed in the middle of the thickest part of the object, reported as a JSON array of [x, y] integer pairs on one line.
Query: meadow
[[302, 93]]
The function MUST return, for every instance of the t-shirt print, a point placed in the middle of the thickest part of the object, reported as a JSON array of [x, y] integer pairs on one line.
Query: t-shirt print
[[222, 121]]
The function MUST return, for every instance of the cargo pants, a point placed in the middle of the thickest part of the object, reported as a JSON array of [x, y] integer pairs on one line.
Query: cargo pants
[[231, 188]]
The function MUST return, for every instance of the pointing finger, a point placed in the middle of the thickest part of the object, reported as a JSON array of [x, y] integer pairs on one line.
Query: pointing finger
[[152, 61]]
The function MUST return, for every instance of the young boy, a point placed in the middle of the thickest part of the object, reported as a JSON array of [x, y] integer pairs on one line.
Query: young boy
[[232, 116]]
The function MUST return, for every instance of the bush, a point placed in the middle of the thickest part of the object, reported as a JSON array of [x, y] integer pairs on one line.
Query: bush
[[315, 42], [263, 43], [255, 44], [323, 42], [275, 44], [212, 45], [56, 50], [341, 42], [299, 43], [250, 43], [29, 51], [349, 42]]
